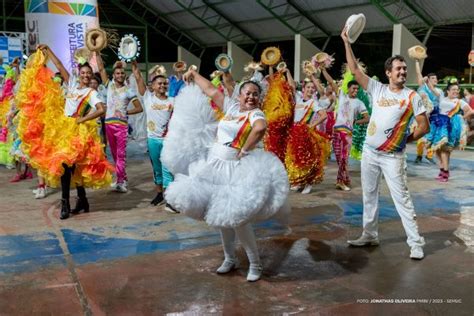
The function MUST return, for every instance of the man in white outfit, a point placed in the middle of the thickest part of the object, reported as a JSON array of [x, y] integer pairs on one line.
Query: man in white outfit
[[394, 106]]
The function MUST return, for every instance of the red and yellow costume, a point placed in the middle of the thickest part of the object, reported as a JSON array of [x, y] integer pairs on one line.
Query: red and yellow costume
[[49, 138]]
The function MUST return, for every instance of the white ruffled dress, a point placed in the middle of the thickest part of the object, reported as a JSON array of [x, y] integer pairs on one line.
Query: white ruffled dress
[[210, 183]]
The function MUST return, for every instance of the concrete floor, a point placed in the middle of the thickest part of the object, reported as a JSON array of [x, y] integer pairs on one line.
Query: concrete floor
[[127, 257]]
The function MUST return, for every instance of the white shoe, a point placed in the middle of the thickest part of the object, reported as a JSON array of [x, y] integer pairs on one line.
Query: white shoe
[[120, 187], [255, 272], [417, 253], [364, 241], [295, 187], [227, 266], [171, 209], [342, 186], [47, 190], [40, 193], [307, 189]]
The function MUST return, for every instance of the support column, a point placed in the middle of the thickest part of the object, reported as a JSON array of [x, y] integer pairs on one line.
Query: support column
[[188, 57], [304, 49], [146, 49], [403, 39], [240, 59], [4, 14], [472, 37]]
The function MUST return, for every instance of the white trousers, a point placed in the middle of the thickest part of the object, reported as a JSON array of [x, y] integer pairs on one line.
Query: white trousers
[[247, 239], [393, 166]]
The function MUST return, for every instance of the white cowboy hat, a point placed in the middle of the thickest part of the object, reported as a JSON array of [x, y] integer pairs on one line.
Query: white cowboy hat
[[354, 26]]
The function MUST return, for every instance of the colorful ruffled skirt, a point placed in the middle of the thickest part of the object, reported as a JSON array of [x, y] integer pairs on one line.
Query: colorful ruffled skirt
[[307, 152], [279, 108], [447, 133], [50, 139]]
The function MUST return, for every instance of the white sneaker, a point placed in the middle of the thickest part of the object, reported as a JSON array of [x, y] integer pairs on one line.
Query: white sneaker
[[417, 253], [295, 187], [255, 272], [227, 266], [364, 240], [120, 187], [171, 209], [307, 189], [342, 186], [40, 193]]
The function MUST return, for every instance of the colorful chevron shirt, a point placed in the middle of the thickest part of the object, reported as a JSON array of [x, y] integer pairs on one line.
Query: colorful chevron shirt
[[391, 116]]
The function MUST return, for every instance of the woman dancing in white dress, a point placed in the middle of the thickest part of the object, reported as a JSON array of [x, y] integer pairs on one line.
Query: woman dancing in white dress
[[231, 182]]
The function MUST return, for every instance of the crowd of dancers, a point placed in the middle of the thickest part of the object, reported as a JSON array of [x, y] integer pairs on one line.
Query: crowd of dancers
[[224, 151]]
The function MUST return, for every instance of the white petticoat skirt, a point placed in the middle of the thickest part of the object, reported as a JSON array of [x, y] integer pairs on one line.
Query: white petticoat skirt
[[191, 130], [227, 192]]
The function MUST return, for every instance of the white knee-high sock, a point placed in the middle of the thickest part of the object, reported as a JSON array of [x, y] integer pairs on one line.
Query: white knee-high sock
[[247, 238], [228, 243]]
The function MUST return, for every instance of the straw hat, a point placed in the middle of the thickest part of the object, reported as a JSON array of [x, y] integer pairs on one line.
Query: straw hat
[[322, 60], [308, 68], [180, 66], [270, 56], [96, 39], [253, 66], [82, 55], [223, 62], [321, 57], [417, 52], [281, 66], [157, 70], [120, 64], [355, 25]]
